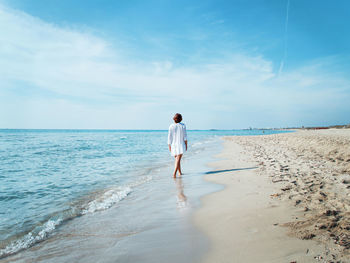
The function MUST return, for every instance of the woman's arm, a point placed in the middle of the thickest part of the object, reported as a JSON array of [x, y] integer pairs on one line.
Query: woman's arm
[[170, 138]]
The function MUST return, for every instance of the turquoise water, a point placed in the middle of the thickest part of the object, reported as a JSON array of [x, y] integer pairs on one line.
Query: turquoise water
[[48, 177]]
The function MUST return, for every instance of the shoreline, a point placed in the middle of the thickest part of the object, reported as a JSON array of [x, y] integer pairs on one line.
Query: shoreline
[[140, 227], [256, 217]]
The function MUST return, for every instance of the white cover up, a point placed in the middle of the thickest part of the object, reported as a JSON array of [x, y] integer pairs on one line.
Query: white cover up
[[177, 136]]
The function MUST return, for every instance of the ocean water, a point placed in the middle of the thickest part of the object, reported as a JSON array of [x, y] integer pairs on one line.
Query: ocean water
[[51, 177]]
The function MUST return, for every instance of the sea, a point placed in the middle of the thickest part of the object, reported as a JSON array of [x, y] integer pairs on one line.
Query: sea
[[65, 193]]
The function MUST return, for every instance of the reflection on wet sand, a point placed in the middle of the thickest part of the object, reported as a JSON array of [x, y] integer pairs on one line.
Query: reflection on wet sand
[[181, 197]]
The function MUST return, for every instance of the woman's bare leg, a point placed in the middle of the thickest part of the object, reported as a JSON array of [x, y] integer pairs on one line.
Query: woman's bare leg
[[177, 165], [179, 168]]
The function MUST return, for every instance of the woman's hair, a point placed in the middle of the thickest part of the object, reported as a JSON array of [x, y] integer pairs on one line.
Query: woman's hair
[[177, 117]]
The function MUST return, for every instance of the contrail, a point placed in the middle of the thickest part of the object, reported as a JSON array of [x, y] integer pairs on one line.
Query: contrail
[[285, 40]]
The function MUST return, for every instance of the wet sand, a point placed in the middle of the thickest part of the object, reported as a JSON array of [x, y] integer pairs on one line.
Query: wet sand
[[286, 199]]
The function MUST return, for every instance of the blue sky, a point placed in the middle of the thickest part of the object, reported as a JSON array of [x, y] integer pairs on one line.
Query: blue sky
[[133, 64]]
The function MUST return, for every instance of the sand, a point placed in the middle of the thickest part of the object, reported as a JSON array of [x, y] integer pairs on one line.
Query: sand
[[285, 199]]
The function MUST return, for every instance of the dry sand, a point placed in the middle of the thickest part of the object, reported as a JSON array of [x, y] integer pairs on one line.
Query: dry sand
[[285, 199]]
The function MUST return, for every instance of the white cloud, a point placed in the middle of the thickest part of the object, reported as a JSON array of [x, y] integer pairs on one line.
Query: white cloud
[[59, 77]]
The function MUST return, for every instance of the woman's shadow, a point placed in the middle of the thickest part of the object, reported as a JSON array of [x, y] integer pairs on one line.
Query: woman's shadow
[[181, 202]]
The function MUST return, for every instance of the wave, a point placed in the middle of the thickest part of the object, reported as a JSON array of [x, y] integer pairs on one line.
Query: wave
[[105, 201], [204, 142], [36, 235], [102, 201]]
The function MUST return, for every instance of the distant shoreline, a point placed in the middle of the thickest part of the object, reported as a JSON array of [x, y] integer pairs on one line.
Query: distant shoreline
[[342, 126]]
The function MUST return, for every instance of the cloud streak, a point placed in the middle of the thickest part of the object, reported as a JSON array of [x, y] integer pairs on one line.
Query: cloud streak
[[285, 39]]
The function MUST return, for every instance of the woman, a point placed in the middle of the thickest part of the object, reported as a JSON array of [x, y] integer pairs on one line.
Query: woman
[[177, 141]]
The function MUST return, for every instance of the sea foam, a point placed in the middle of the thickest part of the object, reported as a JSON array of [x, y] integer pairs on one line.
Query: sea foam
[[36, 235], [108, 199]]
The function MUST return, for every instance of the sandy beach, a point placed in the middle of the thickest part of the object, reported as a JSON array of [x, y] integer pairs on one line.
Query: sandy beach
[[285, 199]]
